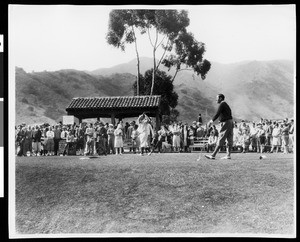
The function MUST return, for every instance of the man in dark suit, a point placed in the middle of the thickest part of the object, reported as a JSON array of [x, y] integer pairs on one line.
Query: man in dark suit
[[226, 131]]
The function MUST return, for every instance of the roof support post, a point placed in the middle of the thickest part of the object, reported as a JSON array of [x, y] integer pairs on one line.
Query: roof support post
[[157, 120], [80, 119], [113, 120]]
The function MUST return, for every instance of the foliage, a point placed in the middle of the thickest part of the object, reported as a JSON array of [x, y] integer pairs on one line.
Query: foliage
[[172, 117], [121, 31], [163, 86], [166, 28], [188, 52]]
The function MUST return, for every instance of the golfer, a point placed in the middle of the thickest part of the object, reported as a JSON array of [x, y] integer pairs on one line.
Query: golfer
[[226, 131]]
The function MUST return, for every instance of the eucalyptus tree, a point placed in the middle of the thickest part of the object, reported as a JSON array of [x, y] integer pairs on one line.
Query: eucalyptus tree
[[122, 29], [167, 30]]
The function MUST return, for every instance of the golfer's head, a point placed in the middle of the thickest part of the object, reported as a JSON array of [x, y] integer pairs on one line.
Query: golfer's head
[[220, 98]]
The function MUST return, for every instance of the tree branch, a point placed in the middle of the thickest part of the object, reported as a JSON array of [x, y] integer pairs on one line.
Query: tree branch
[[150, 37], [163, 55], [156, 39], [177, 70]]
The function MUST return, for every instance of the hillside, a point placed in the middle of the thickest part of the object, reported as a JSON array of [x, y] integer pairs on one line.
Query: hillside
[[44, 96], [253, 89]]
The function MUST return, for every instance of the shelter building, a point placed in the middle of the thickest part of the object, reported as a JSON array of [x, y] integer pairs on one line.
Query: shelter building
[[115, 107]]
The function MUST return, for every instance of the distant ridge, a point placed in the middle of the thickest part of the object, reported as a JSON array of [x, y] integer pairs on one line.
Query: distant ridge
[[253, 89]]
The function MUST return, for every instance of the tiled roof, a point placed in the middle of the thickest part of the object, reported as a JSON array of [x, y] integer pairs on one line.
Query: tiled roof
[[114, 102]]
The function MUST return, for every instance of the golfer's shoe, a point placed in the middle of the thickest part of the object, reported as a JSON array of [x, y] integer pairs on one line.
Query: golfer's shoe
[[226, 158], [210, 157]]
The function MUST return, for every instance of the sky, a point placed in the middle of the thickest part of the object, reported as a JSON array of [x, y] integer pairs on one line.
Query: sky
[[55, 37]]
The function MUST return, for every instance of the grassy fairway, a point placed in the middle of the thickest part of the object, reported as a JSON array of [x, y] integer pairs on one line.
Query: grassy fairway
[[162, 193]]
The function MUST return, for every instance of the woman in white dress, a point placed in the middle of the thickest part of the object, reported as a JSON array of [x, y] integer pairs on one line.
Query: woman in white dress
[[176, 137], [118, 139]]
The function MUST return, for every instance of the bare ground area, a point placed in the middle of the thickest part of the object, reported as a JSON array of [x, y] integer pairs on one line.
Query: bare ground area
[[161, 193]]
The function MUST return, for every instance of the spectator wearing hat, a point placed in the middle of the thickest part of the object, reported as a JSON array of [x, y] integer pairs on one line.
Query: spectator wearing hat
[[111, 139], [89, 133], [64, 133], [269, 129], [276, 134], [27, 141], [37, 135], [185, 137], [162, 136], [101, 139], [236, 137], [70, 148], [44, 140], [175, 130], [50, 141], [200, 132], [63, 141], [244, 128], [261, 138], [129, 132], [21, 139], [126, 126], [30, 130], [193, 128], [135, 138], [191, 136], [285, 137], [124, 133], [57, 133], [80, 131], [245, 141]]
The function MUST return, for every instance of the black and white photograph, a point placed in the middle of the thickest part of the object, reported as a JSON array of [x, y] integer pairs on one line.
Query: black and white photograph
[[152, 121]]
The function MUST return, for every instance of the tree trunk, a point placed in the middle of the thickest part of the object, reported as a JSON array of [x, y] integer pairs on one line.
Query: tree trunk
[[138, 65], [138, 76], [153, 73]]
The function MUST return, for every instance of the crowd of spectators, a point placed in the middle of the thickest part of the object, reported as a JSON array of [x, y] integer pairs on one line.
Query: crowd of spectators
[[101, 138]]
